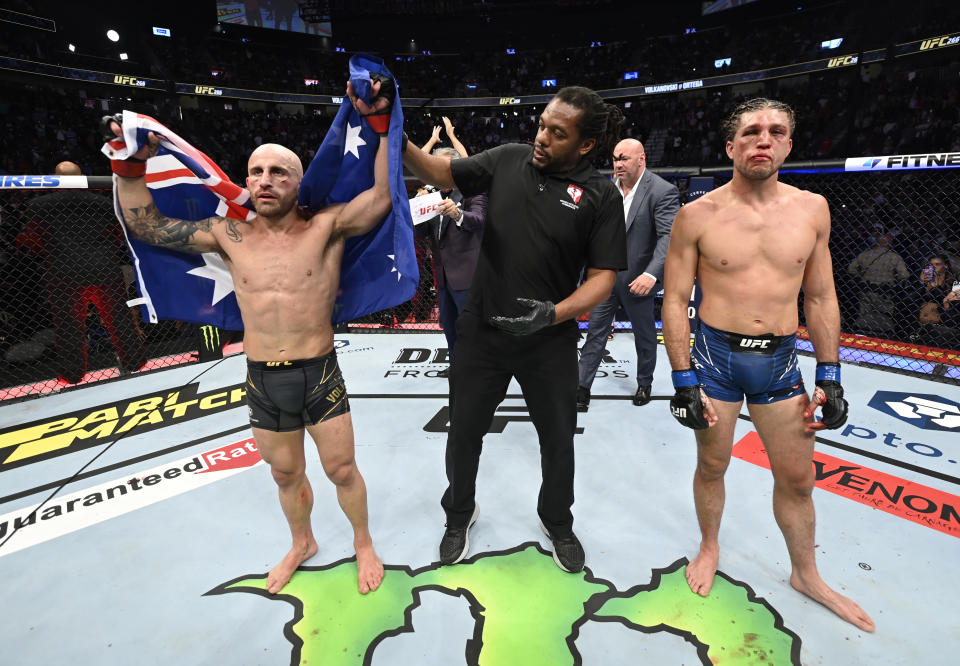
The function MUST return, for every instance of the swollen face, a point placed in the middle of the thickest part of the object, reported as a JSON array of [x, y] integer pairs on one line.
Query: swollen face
[[761, 144], [273, 181]]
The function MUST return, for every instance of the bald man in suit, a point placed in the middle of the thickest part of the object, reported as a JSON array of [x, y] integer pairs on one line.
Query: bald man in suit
[[649, 206]]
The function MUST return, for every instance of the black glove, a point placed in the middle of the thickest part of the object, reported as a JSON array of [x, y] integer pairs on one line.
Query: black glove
[[833, 406], [108, 134], [130, 167], [380, 120], [686, 405], [539, 314]]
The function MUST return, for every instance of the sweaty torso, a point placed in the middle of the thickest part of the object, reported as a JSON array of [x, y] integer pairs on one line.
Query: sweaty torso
[[286, 282], [752, 259]]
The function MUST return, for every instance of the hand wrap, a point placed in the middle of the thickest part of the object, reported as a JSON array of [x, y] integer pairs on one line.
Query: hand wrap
[[130, 167], [380, 120], [833, 405], [686, 405]]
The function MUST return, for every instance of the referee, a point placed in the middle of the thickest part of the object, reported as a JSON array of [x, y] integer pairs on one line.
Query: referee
[[550, 214]]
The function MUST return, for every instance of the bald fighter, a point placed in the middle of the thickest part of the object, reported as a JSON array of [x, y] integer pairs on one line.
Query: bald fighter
[[752, 244], [286, 270]]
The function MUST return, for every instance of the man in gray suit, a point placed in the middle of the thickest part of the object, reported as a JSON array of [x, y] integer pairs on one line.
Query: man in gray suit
[[649, 206]]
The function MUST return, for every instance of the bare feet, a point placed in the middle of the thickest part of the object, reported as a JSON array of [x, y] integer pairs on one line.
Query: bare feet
[[280, 574], [369, 567], [843, 606], [701, 571]]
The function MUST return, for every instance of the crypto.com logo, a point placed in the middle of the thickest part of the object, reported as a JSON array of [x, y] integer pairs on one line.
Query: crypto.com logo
[[928, 412]]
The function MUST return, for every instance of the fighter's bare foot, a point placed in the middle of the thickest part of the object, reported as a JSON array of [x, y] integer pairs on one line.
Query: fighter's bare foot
[[369, 567], [701, 571], [843, 606], [280, 574]]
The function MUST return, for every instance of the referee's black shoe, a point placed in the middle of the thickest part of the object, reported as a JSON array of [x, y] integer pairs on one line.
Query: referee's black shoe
[[567, 551], [456, 540]]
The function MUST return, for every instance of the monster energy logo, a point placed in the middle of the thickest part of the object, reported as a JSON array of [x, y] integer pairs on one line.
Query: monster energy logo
[[211, 337]]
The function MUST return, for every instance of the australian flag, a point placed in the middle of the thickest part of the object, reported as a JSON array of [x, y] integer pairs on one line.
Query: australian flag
[[379, 269]]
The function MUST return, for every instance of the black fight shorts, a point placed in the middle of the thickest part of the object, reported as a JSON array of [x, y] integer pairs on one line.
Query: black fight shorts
[[287, 395]]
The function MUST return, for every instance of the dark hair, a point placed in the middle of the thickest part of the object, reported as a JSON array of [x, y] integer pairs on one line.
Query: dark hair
[[600, 121], [944, 259], [732, 123]]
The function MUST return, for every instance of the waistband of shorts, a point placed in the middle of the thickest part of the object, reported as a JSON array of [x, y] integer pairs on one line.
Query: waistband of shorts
[[743, 342], [289, 365]]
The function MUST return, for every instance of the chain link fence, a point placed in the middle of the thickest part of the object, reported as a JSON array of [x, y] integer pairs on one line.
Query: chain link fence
[[65, 277], [895, 243]]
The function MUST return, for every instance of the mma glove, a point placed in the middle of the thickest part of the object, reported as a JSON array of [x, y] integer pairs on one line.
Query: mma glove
[[130, 167], [833, 405], [380, 120], [539, 315], [686, 405]]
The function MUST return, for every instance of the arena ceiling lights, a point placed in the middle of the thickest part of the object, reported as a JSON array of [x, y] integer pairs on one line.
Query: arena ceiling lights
[[113, 35]]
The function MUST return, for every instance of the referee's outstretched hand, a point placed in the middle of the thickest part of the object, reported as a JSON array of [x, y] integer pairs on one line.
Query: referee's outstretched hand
[[539, 315]]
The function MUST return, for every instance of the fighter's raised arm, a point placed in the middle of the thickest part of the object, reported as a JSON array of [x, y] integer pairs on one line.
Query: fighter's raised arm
[[366, 210], [144, 220]]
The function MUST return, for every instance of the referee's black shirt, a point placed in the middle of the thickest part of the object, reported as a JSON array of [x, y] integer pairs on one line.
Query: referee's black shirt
[[541, 230]]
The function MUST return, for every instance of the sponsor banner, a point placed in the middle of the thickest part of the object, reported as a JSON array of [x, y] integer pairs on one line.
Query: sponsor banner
[[69, 513], [924, 410], [43, 182], [901, 162], [56, 71], [261, 95], [931, 354], [50, 437], [905, 499], [928, 44]]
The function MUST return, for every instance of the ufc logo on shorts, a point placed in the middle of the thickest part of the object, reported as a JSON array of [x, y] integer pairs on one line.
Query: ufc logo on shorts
[[754, 343]]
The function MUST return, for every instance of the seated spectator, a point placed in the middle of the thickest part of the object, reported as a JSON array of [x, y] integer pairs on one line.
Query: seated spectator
[[939, 323], [937, 279]]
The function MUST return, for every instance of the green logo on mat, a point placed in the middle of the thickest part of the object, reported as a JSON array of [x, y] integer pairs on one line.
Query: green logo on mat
[[527, 611]]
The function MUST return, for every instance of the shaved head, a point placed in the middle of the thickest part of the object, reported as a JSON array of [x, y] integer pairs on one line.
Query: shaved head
[[629, 161], [67, 169], [280, 153], [629, 144]]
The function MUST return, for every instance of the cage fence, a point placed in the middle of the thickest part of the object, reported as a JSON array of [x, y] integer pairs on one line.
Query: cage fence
[[66, 278]]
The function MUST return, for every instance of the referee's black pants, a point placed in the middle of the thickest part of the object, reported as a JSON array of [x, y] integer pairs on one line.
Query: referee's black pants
[[546, 369]]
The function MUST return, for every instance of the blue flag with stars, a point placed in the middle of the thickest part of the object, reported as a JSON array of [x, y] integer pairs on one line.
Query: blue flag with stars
[[379, 269]]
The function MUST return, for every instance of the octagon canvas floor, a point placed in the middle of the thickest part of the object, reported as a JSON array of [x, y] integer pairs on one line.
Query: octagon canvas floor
[[155, 549]]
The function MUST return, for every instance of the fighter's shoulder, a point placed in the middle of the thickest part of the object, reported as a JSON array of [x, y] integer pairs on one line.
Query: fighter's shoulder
[[803, 198], [702, 208]]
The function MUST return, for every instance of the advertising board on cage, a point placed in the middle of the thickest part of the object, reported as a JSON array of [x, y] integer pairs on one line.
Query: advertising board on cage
[[899, 162]]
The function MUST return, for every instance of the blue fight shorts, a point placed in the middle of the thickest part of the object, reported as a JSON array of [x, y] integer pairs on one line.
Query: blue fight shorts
[[731, 365]]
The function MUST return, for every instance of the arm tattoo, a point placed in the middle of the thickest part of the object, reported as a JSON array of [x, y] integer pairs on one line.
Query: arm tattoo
[[149, 225], [233, 230]]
